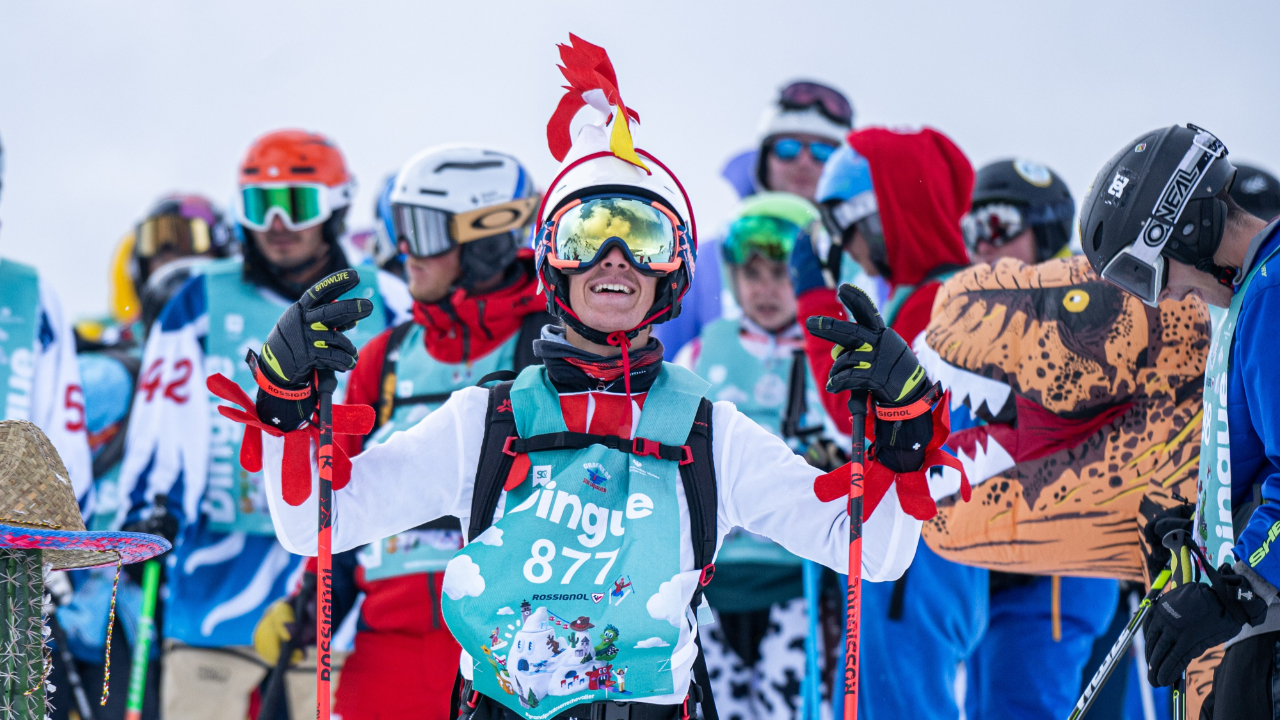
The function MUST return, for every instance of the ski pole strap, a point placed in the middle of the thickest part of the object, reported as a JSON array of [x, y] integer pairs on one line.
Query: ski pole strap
[[578, 441], [271, 388], [914, 410]]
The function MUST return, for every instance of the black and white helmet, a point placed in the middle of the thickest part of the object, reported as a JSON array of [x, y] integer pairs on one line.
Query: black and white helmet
[[1158, 199]]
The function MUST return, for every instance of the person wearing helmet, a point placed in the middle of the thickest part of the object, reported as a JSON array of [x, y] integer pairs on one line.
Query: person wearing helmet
[[1024, 211], [1160, 221], [754, 362], [1256, 191], [1021, 209], [460, 215], [798, 131], [892, 201], [39, 373], [227, 566], [615, 478]]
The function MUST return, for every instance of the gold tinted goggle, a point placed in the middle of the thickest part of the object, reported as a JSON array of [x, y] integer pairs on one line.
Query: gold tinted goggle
[[187, 236]]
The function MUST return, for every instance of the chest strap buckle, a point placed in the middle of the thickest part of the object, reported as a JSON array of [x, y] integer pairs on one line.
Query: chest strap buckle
[[708, 572], [506, 445]]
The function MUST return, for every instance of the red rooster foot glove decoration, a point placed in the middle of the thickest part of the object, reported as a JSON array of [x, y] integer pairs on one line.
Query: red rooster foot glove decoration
[[296, 469]]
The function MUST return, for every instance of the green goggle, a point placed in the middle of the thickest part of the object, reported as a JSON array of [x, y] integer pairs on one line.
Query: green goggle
[[299, 206], [770, 237]]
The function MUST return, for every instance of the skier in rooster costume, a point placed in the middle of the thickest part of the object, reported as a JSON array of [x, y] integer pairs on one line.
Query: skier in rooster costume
[[602, 463]]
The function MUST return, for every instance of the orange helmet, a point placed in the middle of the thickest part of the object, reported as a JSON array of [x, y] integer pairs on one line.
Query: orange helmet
[[298, 174]]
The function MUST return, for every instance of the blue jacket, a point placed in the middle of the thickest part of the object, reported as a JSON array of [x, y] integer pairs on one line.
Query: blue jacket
[[1253, 411]]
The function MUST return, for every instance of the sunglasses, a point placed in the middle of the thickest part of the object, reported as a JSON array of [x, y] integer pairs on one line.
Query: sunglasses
[[585, 229], [788, 149], [804, 95]]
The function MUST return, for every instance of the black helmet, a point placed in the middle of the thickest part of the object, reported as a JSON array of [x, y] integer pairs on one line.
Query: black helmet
[[1039, 197], [1256, 191], [1156, 199]]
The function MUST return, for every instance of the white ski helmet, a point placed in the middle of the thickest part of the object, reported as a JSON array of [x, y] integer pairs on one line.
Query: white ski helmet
[[476, 197], [606, 163]]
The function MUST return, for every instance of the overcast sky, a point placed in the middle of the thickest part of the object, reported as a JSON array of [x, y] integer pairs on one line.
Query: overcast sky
[[104, 106]]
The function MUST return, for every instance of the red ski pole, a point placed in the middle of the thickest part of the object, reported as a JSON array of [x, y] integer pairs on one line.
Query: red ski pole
[[325, 384], [853, 610]]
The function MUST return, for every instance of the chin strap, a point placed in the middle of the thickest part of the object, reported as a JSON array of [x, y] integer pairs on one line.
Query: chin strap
[[1224, 275]]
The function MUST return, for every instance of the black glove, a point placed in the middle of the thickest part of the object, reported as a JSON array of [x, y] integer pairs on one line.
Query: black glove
[[1166, 521], [872, 358], [306, 338], [875, 359], [161, 522], [1192, 618]]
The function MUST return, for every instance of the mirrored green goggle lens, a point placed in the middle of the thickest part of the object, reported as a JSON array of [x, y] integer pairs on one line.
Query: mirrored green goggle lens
[[645, 230], [300, 203], [771, 237]]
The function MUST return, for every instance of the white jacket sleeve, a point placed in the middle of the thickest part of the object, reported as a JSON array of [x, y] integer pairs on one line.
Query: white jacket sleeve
[[418, 475], [58, 398], [767, 489]]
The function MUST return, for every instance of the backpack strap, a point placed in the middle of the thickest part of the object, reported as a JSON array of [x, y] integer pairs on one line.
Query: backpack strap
[[699, 480], [387, 382], [491, 472]]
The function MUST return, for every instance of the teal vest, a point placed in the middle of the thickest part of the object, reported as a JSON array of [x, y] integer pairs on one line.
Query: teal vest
[[1213, 524], [19, 300], [574, 594], [240, 318], [417, 374]]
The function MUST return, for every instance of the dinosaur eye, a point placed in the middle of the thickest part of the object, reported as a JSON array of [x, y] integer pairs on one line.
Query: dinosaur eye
[[1076, 301]]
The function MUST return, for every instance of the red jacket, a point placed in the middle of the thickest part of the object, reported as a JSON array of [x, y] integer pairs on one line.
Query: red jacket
[[923, 185]]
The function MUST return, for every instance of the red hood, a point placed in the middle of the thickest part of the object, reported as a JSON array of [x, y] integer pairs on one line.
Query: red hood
[[923, 185], [464, 327]]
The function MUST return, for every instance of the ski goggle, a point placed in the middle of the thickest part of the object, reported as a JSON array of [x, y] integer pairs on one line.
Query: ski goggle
[[789, 149], [299, 206], [803, 95], [581, 232], [185, 236], [431, 231], [1140, 269], [770, 237], [994, 224]]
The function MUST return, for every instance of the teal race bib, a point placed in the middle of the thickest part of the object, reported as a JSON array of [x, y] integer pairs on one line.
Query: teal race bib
[[575, 594], [1213, 490], [240, 318], [409, 552], [19, 300]]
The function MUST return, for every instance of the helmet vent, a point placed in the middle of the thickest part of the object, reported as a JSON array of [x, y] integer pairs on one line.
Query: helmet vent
[[429, 191], [479, 165], [303, 170], [250, 171], [1097, 238]]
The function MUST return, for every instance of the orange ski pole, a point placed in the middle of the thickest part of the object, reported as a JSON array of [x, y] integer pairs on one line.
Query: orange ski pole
[[854, 607]]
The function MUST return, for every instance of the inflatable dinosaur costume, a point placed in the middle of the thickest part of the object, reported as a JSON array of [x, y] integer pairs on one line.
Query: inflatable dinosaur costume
[[1088, 410]]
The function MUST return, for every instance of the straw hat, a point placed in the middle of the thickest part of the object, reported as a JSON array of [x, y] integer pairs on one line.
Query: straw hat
[[38, 508]]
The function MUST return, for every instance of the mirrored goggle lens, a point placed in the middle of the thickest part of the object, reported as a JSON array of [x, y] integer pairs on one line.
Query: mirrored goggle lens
[[299, 205], [1135, 276], [426, 230], [771, 237], [994, 224], [646, 231], [172, 232]]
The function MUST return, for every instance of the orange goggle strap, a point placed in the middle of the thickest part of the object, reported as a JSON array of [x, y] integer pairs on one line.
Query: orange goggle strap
[[271, 388], [909, 412]]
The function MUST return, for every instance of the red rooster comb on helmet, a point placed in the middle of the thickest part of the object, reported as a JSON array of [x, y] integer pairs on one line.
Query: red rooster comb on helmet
[[592, 81]]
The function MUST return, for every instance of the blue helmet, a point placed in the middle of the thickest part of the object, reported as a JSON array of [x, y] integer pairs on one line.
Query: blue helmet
[[847, 199]]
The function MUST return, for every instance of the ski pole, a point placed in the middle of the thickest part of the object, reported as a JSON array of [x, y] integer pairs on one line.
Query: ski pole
[[1140, 658], [1120, 647], [812, 679], [858, 410], [325, 384], [279, 674], [142, 648], [69, 661]]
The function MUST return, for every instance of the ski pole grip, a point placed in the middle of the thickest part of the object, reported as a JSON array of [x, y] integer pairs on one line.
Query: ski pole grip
[[326, 381]]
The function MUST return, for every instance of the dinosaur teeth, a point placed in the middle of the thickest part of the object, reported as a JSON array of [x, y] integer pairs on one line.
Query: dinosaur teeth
[[967, 388]]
